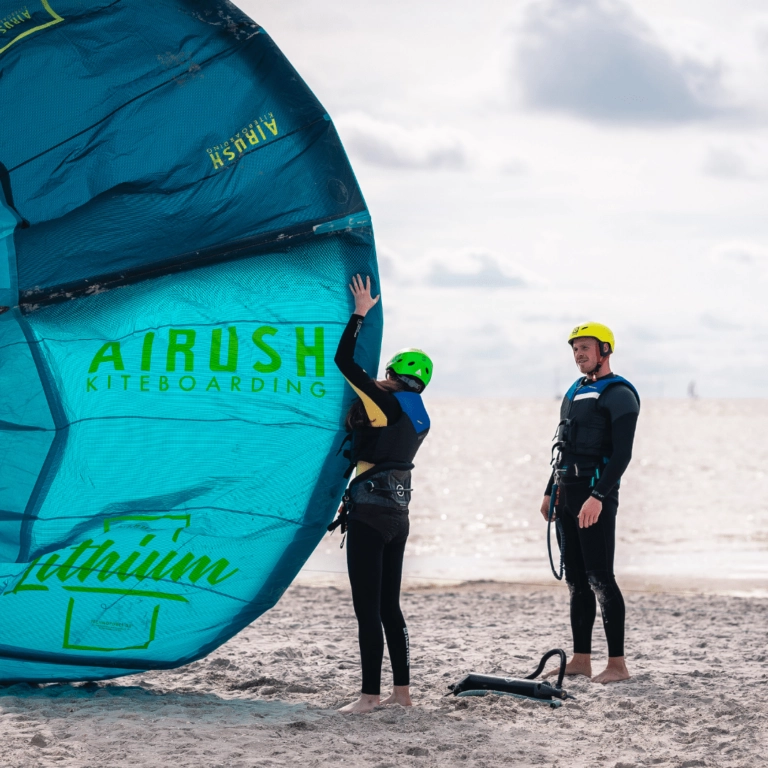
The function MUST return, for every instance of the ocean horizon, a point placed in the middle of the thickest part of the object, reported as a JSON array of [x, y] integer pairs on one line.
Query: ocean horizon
[[693, 513]]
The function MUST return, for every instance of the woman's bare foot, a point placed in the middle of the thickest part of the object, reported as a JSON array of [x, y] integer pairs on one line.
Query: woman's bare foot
[[580, 664], [366, 703], [614, 672], [401, 694]]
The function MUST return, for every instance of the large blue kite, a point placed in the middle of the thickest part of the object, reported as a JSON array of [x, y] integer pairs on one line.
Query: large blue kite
[[178, 224]]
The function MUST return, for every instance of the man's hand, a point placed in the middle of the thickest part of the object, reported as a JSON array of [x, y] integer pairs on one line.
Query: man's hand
[[545, 507], [362, 293], [590, 511]]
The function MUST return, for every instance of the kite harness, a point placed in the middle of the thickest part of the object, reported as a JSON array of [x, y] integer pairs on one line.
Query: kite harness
[[385, 485], [542, 693], [391, 450]]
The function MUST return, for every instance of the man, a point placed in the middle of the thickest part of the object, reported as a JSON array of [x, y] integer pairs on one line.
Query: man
[[593, 449]]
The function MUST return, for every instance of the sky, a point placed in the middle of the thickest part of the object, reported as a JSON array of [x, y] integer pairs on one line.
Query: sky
[[530, 165]]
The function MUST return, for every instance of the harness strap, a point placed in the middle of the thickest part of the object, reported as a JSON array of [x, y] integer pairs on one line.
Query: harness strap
[[342, 519]]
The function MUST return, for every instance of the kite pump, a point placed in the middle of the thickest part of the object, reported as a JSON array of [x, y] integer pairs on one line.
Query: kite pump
[[542, 693]]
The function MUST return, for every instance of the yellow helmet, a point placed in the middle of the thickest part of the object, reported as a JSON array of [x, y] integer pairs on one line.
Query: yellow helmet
[[597, 331]]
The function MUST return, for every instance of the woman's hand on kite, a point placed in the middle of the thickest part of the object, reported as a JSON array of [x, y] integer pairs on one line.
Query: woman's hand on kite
[[362, 293]]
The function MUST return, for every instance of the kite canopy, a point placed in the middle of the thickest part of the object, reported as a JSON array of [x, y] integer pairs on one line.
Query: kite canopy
[[178, 223]]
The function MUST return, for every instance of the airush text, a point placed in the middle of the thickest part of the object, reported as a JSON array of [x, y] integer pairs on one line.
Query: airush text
[[231, 359]]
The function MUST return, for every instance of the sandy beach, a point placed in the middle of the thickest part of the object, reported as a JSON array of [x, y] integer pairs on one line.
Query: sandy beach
[[479, 597], [268, 697]]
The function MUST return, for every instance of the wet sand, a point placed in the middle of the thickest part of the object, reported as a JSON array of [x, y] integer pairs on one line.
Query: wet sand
[[268, 697]]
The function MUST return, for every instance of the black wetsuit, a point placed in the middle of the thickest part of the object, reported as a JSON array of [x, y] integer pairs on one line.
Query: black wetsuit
[[588, 552], [377, 532]]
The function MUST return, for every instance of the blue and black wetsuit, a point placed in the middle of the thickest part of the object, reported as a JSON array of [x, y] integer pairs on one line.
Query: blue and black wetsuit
[[596, 434], [378, 524]]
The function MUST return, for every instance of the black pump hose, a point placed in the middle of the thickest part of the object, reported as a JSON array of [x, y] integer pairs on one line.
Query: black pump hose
[[548, 655], [559, 527]]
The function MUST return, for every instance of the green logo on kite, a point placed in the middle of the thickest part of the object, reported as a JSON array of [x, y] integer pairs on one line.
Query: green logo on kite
[[247, 138], [212, 361], [25, 20], [116, 595]]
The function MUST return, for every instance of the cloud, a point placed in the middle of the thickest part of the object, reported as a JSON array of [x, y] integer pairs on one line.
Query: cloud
[[717, 323], [597, 60], [393, 145], [728, 164], [740, 256], [477, 269], [513, 167]]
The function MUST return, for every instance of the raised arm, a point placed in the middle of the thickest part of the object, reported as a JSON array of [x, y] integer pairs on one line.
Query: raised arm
[[382, 407]]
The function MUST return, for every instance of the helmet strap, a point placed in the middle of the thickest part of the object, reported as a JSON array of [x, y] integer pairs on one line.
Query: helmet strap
[[603, 357]]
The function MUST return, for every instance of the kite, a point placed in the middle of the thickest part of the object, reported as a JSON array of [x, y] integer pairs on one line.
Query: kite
[[178, 224]]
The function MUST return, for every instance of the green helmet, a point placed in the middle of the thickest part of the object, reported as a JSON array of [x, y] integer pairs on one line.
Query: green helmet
[[411, 362]]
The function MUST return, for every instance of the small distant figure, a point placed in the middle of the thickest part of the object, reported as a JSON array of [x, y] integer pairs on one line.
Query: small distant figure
[[692, 393]]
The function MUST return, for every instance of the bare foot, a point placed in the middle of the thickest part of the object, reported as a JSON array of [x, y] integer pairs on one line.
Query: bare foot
[[614, 672], [366, 703], [580, 664], [401, 695]]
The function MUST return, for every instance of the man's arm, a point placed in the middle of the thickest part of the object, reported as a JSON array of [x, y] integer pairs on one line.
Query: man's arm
[[624, 409]]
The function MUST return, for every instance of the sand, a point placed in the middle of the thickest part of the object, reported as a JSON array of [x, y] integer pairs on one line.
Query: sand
[[268, 697]]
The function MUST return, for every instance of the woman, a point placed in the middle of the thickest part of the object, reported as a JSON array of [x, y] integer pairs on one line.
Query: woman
[[387, 425]]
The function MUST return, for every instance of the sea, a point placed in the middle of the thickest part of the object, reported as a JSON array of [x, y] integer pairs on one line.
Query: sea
[[693, 513]]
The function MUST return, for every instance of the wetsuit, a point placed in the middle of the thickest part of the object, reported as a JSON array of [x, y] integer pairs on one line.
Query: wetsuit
[[596, 432], [378, 522]]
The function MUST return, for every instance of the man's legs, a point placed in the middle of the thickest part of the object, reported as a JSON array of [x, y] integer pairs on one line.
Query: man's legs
[[582, 598], [598, 544]]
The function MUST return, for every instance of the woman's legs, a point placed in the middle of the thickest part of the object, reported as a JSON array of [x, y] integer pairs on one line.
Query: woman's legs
[[365, 551], [375, 571], [394, 623]]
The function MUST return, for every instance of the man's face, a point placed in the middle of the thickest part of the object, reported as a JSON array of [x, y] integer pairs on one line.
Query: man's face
[[586, 353]]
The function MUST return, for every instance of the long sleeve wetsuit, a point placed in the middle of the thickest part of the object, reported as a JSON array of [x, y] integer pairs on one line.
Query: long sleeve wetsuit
[[376, 540], [588, 553]]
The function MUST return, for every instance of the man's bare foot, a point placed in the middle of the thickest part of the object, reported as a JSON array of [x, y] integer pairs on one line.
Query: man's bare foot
[[366, 703], [580, 664], [401, 695], [614, 672]]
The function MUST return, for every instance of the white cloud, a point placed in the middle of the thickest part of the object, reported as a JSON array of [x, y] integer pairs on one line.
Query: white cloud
[[727, 164], [713, 322], [477, 269], [596, 59], [742, 256], [393, 145]]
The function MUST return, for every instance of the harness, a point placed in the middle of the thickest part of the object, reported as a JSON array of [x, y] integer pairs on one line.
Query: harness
[[391, 450], [584, 434]]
